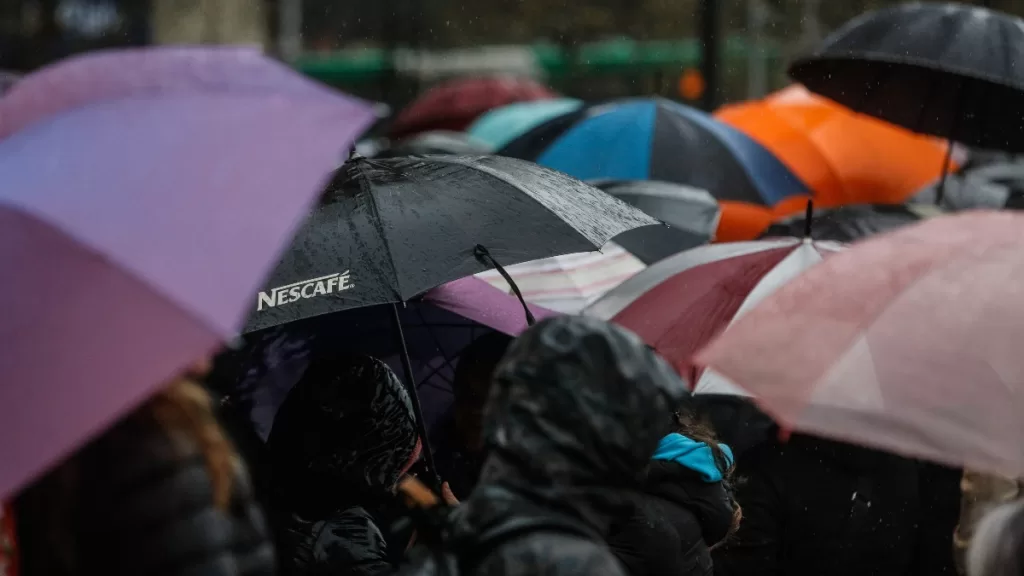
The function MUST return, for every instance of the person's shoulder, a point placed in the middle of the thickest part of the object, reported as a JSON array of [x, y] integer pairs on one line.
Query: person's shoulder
[[551, 553]]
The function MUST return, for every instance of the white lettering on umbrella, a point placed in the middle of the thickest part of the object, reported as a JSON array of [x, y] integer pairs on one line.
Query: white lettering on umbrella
[[304, 289]]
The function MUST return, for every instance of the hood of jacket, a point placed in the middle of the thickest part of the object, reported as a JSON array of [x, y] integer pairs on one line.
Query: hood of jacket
[[341, 437], [708, 502], [577, 409]]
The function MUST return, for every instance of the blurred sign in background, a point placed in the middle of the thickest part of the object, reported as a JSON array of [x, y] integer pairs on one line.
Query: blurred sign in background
[[390, 49]]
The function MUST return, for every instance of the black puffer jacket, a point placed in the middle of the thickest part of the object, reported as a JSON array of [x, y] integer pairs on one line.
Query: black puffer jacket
[[338, 445], [137, 501], [577, 409], [676, 519], [814, 507]]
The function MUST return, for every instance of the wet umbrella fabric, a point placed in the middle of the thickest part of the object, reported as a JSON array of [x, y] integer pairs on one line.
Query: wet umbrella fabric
[[436, 142], [691, 217], [388, 230], [853, 222], [502, 125], [163, 212], [655, 139], [455, 104], [679, 304], [907, 341], [945, 69]]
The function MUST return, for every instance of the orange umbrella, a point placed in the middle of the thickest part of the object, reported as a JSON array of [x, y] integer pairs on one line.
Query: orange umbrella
[[844, 157]]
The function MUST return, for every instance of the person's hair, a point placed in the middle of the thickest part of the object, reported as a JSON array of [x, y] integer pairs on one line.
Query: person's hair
[[693, 428], [997, 548], [478, 361], [185, 412], [45, 511]]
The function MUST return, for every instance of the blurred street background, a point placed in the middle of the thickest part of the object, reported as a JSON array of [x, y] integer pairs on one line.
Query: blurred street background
[[389, 50]]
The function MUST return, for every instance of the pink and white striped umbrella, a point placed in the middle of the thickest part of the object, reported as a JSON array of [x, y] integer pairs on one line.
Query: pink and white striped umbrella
[[568, 283], [679, 304], [910, 341]]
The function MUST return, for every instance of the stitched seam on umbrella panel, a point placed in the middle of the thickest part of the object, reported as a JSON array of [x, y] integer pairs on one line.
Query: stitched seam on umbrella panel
[[503, 179], [364, 186]]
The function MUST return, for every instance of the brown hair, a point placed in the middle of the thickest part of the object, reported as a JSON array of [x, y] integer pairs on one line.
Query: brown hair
[[185, 412], [693, 428], [46, 510]]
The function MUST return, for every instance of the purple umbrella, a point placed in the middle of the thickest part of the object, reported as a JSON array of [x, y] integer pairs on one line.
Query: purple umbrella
[[144, 195]]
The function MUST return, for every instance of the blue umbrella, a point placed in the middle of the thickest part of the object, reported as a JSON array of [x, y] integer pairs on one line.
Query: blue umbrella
[[501, 125], [655, 139]]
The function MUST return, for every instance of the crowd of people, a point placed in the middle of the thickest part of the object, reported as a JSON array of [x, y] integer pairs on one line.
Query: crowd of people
[[573, 449]]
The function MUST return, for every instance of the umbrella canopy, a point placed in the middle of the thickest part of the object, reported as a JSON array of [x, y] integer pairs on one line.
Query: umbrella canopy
[[908, 341], [436, 142], [655, 139], [566, 284], [679, 304], [691, 216], [853, 222], [437, 328], [455, 104], [502, 125], [845, 158], [140, 210], [996, 185], [388, 230], [945, 69]]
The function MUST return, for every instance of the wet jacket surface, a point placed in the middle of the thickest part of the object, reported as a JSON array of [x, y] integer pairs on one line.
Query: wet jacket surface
[[338, 444], [141, 503], [813, 507], [578, 407], [676, 519]]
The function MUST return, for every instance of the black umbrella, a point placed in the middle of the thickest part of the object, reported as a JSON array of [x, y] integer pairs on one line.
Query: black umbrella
[[691, 215], [437, 142], [949, 70], [387, 230], [851, 222]]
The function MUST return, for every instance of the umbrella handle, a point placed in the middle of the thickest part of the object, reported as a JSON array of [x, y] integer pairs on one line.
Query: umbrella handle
[[483, 255], [410, 380]]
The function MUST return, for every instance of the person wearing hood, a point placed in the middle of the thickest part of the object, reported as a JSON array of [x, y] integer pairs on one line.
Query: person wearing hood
[[341, 440], [685, 509], [813, 506], [576, 410]]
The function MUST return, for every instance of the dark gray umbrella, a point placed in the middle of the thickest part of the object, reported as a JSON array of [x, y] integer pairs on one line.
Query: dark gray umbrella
[[989, 186], [387, 230], [851, 222], [690, 214], [949, 70]]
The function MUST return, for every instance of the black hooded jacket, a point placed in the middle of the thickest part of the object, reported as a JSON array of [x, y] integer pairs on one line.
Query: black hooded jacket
[[678, 517], [814, 507], [577, 409], [338, 445]]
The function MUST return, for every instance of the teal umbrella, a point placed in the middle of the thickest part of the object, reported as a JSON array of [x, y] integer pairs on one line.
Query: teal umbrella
[[501, 125]]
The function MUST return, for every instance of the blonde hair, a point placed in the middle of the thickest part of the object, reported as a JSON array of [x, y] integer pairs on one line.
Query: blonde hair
[[184, 411]]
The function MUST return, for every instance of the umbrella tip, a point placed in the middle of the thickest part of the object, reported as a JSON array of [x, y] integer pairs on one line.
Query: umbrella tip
[[809, 218]]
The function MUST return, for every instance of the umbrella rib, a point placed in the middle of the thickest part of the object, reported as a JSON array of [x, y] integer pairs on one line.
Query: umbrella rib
[[364, 186]]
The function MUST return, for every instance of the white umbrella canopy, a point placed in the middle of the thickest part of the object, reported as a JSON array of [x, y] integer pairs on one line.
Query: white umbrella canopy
[[567, 284]]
